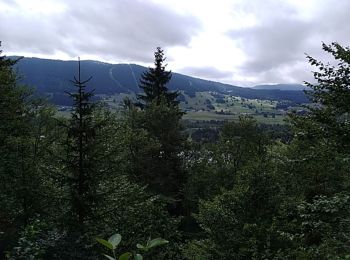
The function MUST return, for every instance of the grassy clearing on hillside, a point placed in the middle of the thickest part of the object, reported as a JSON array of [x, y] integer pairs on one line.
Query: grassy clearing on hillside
[[206, 106], [215, 106], [207, 116]]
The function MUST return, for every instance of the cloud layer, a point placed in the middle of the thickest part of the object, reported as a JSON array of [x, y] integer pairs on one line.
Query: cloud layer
[[116, 30], [275, 46]]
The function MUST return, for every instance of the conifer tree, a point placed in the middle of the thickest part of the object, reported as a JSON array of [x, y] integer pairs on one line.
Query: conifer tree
[[21, 154], [80, 161], [161, 118], [154, 82]]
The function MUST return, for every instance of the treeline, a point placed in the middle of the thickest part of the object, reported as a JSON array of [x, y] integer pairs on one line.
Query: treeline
[[246, 192]]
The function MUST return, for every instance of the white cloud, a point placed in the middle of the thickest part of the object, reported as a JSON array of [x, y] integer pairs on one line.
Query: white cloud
[[120, 30]]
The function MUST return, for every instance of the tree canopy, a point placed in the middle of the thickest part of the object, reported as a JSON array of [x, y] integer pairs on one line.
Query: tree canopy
[[154, 82]]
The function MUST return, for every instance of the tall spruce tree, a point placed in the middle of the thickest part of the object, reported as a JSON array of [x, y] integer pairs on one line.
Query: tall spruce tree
[[154, 82], [77, 175], [161, 116], [80, 161]]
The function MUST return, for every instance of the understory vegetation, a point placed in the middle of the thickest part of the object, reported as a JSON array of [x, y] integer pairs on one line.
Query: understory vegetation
[[237, 190]]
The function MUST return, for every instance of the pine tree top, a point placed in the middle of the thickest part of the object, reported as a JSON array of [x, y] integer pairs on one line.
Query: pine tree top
[[154, 82]]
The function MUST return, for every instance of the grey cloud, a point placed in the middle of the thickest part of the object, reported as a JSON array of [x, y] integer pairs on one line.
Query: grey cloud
[[207, 72], [282, 37], [286, 74], [123, 29], [272, 45]]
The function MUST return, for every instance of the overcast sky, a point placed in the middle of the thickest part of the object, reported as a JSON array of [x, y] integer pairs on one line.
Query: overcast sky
[[234, 41]]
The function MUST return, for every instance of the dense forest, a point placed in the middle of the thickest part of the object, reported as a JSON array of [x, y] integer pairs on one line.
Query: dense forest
[[50, 78], [134, 186]]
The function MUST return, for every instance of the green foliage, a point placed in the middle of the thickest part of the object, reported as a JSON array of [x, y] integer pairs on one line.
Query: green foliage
[[115, 239], [162, 122], [25, 125], [316, 229], [313, 219], [238, 223], [159, 165], [81, 177], [28, 245], [246, 196], [140, 216], [215, 167], [320, 153], [286, 203], [331, 94], [154, 81]]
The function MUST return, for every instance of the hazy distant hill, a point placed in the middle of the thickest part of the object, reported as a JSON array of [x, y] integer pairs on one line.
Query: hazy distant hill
[[281, 87], [53, 77]]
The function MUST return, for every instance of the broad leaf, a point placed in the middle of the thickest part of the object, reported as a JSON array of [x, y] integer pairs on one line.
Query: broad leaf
[[157, 242], [125, 256], [105, 243], [115, 240], [138, 257], [109, 257]]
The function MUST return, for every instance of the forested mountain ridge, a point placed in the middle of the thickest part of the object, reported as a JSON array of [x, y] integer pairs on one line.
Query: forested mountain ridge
[[52, 77]]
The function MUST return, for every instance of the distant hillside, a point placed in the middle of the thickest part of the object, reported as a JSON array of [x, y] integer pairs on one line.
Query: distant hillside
[[281, 86], [52, 78]]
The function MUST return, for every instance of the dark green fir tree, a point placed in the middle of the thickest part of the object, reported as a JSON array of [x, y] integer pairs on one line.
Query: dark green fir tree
[[161, 169], [154, 82], [80, 160]]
